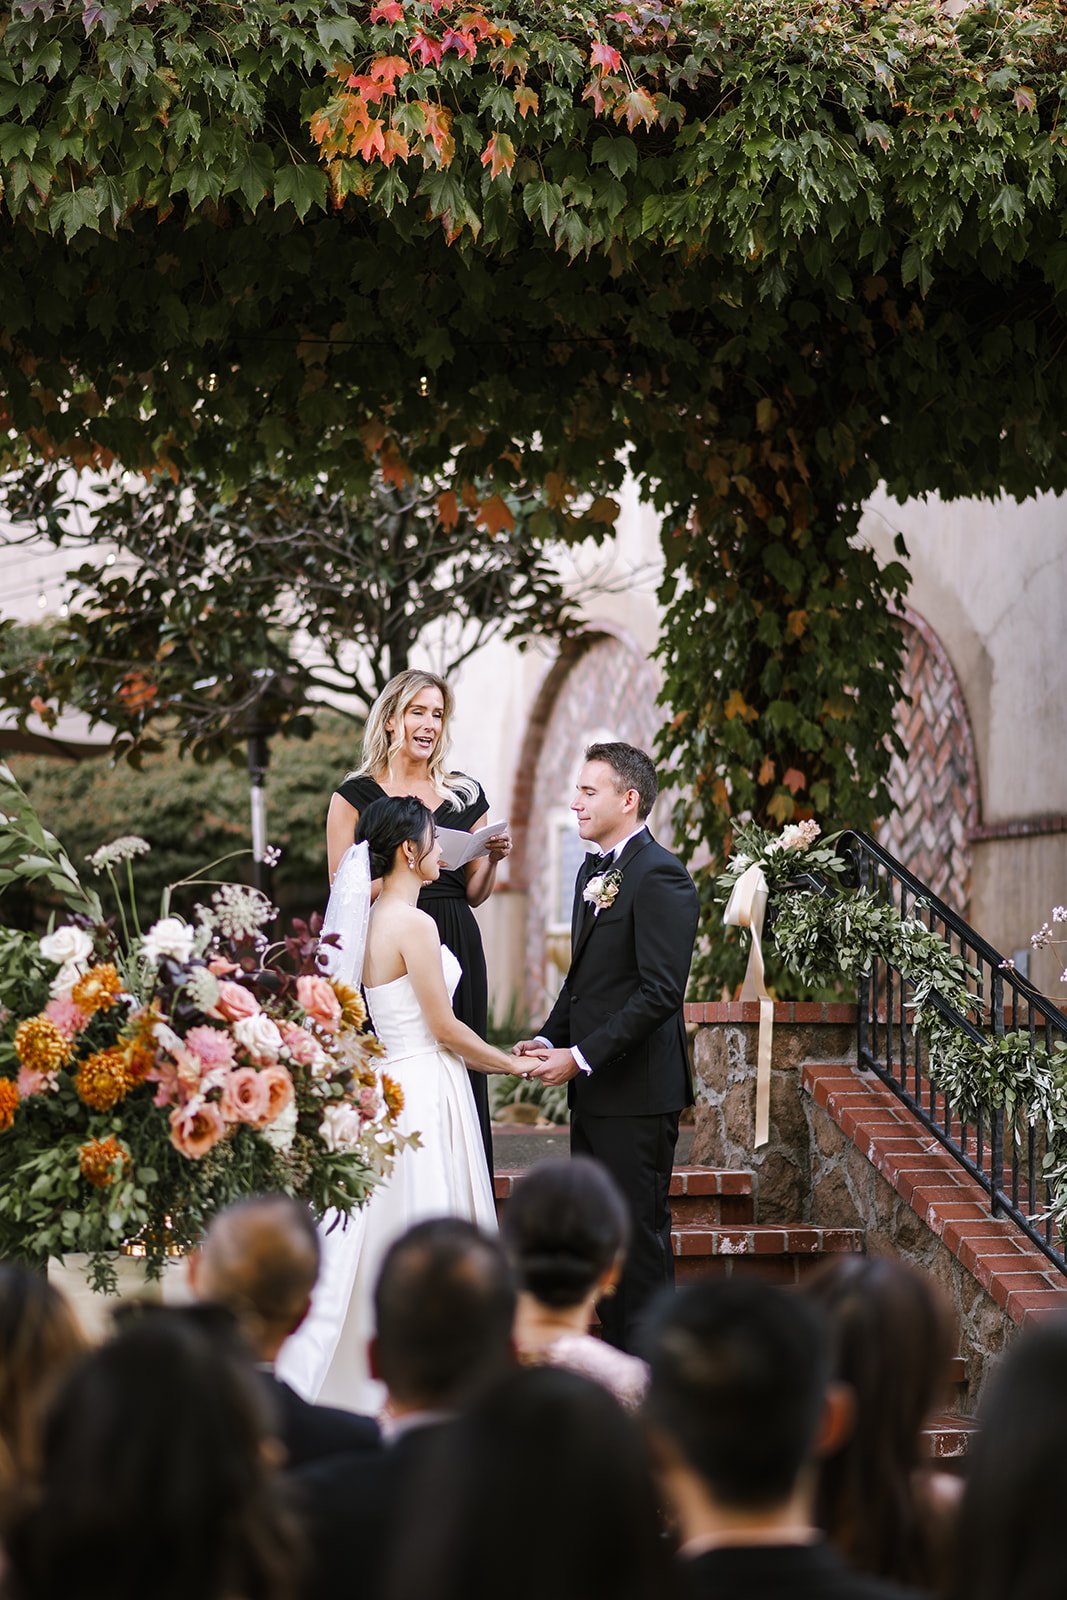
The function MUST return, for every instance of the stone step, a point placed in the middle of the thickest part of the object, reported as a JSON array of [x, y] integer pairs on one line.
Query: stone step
[[704, 1196], [770, 1251], [947, 1436]]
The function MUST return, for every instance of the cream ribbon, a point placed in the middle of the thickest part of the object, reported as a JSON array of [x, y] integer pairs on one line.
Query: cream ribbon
[[745, 909]]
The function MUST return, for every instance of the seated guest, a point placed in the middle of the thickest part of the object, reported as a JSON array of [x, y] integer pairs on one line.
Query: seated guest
[[565, 1231], [543, 1443], [740, 1406], [879, 1501], [260, 1259], [444, 1306], [1008, 1544], [157, 1477], [40, 1340]]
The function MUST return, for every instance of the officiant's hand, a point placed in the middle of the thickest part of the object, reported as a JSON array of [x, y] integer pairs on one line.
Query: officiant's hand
[[557, 1066], [498, 848]]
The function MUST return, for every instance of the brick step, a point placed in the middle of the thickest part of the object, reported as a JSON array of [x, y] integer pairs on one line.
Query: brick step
[[699, 1196], [775, 1253], [947, 1436]]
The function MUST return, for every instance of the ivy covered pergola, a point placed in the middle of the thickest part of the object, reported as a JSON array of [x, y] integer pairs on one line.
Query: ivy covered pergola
[[764, 254]]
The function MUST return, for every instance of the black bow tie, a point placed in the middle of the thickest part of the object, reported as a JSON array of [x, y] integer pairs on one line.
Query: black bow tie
[[597, 863]]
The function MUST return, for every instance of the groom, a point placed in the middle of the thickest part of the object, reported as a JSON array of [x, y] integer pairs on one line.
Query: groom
[[616, 1031]]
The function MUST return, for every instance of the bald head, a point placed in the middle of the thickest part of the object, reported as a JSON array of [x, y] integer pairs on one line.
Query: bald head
[[260, 1258]]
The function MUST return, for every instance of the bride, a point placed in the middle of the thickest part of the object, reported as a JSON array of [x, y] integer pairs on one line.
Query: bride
[[408, 979]]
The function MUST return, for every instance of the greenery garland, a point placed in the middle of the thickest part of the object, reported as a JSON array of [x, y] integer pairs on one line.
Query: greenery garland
[[824, 937]]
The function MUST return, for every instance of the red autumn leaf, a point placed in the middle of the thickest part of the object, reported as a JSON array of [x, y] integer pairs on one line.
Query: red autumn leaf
[[477, 22], [388, 11], [369, 141], [595, 92], [370, 91], [624, 16], [448, 509], [426, 48], [636, 107], [438, 129], [387, 69], [395, 146], [526, 100], [495, 515], [794, 780], [460, 41], [498, 155], [603, 56], [394, 468], [373, 434]]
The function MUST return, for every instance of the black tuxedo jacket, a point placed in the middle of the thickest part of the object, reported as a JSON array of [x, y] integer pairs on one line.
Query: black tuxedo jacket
[[310, 1432], [780, 1572], [621, 1001]]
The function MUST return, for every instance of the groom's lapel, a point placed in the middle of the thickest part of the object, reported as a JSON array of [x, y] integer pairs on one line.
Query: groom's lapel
[[587, 921]]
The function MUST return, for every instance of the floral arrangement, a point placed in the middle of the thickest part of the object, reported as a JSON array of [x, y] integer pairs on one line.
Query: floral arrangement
[[149, 1078], [600, 892], [780, 856]]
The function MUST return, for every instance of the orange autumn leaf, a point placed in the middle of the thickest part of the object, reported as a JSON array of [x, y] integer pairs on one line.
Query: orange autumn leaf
[[448, 509], [738, 706], [495, 515], [369, 141], [603, 510], [437, 125], [394, 468], [794, 780], [796, 622], [781, 808], [636, 107], [390, 12], [766, 771], [526, 100], [387, 69], [395, 145], [498, 155]]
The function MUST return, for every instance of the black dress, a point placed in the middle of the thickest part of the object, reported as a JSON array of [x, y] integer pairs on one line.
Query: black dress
[[446, 902]]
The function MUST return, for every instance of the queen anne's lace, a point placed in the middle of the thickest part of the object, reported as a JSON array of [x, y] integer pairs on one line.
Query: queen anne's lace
[[238, 912], [124, 849]]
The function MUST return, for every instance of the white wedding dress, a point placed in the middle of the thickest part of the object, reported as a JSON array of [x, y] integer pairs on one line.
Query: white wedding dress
[[326, 1359]]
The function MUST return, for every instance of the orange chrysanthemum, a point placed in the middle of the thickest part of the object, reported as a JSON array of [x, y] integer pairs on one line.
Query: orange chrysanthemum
[[9, 1099], [102, 1161], [40, 1046], [353, 1011], [103, 1079], [394, 1095], [97, 989]]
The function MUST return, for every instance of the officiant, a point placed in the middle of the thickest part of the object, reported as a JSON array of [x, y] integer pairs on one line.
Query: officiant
[[405, 752]]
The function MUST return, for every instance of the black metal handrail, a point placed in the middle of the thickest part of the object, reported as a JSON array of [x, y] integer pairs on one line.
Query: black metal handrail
[[1003, 999]]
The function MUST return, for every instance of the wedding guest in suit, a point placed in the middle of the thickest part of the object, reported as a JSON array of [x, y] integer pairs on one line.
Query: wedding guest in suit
[[40, 1340], [405, 752], [617, 1029], [260, 1259], [158, 1476], [548, 1443], [565, 1231], [740, 1406], [444, 1308], [1009, 1543], [880, 1503]]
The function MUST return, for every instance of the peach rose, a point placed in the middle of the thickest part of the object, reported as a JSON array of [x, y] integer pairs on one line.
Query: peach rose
[[245, 1097], [196, 1128], [279, 1087], [319, 1001], [234, 1002]]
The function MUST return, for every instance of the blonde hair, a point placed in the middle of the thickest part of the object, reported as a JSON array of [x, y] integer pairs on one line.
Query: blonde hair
[[390, 706]]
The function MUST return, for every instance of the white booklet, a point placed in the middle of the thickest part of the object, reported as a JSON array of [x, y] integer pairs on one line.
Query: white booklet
[[457, 847]]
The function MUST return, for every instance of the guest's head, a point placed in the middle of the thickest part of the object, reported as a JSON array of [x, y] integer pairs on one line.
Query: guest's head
[[444, 1305], [739, 1402], [548, 1444], [400, 833], [565, 1231], [40, 1340], [157, 1474], [894, 1337], [410, 716], [1009, 1545], [260, 1259], [616, 791]]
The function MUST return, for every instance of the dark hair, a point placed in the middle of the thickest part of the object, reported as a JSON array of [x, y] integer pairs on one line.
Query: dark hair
[[566, 1223], [40, 1339], [540, 1431], [155, 1477], [739, 1371], [444, 1307], [1009, 1545], [388, 823], [893, 1338], [633, 769]]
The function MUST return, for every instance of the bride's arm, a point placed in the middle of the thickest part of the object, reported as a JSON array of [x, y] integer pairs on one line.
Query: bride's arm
[[420, 946]]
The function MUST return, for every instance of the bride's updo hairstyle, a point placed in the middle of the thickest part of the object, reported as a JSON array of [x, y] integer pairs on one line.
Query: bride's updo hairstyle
[[566, 1223], [388, 823]]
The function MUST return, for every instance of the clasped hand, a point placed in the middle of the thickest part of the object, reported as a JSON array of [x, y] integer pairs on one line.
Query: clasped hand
[[554, 1066]]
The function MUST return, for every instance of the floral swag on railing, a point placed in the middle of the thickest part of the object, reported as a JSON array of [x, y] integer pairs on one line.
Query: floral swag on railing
[[149, 1078], [823, 937]]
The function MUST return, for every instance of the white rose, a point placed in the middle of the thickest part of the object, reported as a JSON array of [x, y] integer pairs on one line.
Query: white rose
[[281, 1132], [340, 1127], [169, 937], [65, 979], [259, 1036], [66, 946]]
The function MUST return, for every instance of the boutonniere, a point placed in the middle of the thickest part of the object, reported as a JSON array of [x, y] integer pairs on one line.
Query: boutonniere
[[600, 891]]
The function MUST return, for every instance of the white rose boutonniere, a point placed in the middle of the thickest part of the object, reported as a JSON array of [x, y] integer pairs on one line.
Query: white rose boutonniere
[[600, 891]]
